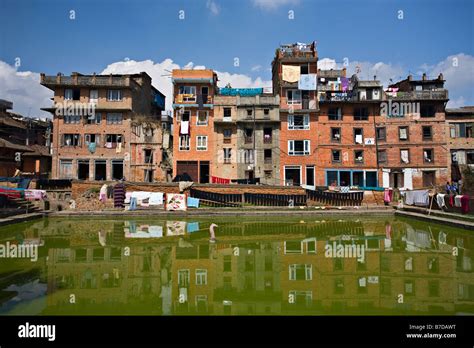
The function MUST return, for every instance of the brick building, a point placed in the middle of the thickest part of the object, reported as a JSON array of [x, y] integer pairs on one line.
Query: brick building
[[412, 147], [107, 127], [292, 65], [460, 134], [193, 123], [24, 143]]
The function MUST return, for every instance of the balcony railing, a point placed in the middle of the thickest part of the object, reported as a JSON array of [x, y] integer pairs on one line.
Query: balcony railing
[[267, 140], [423, 95], [193, 98], [248, 140]]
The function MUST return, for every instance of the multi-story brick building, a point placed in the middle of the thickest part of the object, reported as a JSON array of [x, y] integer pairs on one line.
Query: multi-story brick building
[[294, 71], [460, 134], [106, 127], [412, 147], [346, 151], [193, 123]]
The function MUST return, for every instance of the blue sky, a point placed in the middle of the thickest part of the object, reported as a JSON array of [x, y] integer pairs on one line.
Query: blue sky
[[214, 32]]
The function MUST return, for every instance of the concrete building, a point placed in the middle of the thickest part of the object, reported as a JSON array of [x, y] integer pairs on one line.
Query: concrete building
[[293, 75], [107, 127], [460, 134], [193, 123]]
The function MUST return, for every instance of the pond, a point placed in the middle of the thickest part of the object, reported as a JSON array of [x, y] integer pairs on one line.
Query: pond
[[354, 265]]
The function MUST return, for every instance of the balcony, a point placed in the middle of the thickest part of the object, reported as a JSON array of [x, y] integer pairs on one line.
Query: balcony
[[418, 95], [331, 74], [193, 99], [267, 140], [248, 140]]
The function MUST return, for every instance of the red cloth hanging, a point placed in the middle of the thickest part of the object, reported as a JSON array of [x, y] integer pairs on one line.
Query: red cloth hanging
[[465, 204], [451, 200]]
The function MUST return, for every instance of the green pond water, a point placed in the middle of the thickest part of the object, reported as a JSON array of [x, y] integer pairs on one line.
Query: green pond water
[[354, 265]]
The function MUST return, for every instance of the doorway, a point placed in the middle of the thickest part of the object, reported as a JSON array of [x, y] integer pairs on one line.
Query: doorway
[[83, 169], [100, 170], [204, 172], [310, 176], [292, 176]]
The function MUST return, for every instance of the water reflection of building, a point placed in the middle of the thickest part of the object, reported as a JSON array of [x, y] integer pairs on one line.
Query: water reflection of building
[[263, 268]]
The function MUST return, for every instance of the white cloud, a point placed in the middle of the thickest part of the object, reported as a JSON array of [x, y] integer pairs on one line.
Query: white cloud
[[161, 75], [28, 96], [256, 68], [24, 90], [270, 5], [457, 70], [213, 7]]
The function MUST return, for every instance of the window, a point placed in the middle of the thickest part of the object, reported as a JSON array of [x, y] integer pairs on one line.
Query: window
[[301, 298], [338, 264], [114, 118], [93, 96], [301, 272], [185, 115], [227, 263], [94, 119], [336, 135], [433, 288], [148, 156], [385, 286], [201, 118], [362, 285], [409, 264], [113, 140], [266, 112], [71, 140], [227, 155], [188, 92], [114, 95], [293, 96], [201, 143], [404, 156], [361, 114], [183, 278], [201, 303], [382, 156], [381, 133], [298, 121], [248, 156], [72, 94], [427, 111], [358, 135], [335, 114], [65, 169], [336, 156], [249, 112], [148, 175], [227, 112], [267, 155], [359, 156], [339, 286], [201, 277], [298, 147], [268, 174], [427, 134], [227, 135], [409, 287], [100, 170], [403, 133], [91, 139], [184, 142], [428, 155], [293, 247], [248, 136], [304, 69], [72, 119], [433, 265], [267, 135], [461, 130]]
